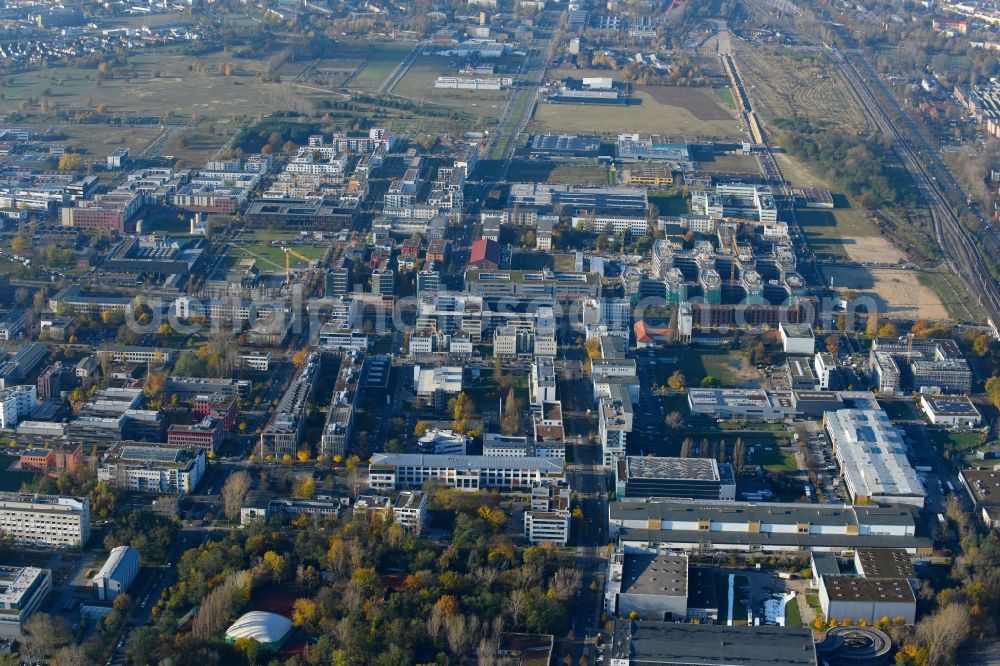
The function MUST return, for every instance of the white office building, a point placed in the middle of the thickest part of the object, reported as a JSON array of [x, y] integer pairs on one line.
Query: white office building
[[45, 520], [22, 592], [389, 471], [117, 574], [153, 469], [410, 510], [17, 403]]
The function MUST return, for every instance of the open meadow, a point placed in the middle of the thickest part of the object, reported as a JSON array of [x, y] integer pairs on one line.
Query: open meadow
[[690, 112], [785, 83]]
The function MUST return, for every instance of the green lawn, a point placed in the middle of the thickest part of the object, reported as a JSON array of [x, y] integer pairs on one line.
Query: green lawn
[[775, 460], [730, 368], [670, 204], [11, 481], [793, 616], [381, 60], [726, 95], [739, 601], [955, 441], [272, 257]]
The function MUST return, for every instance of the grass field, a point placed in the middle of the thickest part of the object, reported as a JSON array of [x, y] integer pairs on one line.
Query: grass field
[[959, 304], [731, 164], [272, 258], [97, 143], [563, 173], [786, 84], [157, 83], [380, 61], [957, 442], [846, 233], [690, 112], [793, 616], [730, 368], [775, 460]]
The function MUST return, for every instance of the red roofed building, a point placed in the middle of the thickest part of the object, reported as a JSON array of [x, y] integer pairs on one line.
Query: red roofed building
[[650, 336], [485, 254]]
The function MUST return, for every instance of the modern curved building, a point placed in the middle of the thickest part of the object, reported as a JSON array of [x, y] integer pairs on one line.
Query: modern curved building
[[269, 629]]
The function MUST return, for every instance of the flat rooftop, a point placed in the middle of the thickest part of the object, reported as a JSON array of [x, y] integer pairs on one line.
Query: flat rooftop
[[701, 469], [661, 575], [885, 563], [951, 405], [850, 588], [643, 642]]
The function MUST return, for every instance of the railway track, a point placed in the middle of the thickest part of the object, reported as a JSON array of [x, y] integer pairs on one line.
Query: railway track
[[957, 245]]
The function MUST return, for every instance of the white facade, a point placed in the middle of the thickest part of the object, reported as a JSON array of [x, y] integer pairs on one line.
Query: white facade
[[411, 510], [153, 469], [17, 403], [24, 590], [547, 527], [403, 470], [872, 457], [47, 520], [117, 574], [825, 364], [797, 338]]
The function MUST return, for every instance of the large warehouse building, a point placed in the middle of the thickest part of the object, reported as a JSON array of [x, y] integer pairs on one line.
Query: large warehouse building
[[872, 457]]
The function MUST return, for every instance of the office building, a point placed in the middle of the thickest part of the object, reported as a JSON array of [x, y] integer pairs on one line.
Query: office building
[[23, 590], [952, 411], [117, 573], [410, 511], [797, 338], [983, 487], [45, 520], [547, 520], [442, 442], [17, 403], [872, 457], [205, 434], [800, 374], [340, 418], [682, 478], [152, 469], [283, 433], [825, 365], [746, 404], [390, 471], [772, 527]]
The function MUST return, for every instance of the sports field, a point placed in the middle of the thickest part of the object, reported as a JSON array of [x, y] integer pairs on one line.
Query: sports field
[[690, 112]]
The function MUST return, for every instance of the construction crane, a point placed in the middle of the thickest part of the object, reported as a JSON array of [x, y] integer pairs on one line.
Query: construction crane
[[289, 253], [732, 264]]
